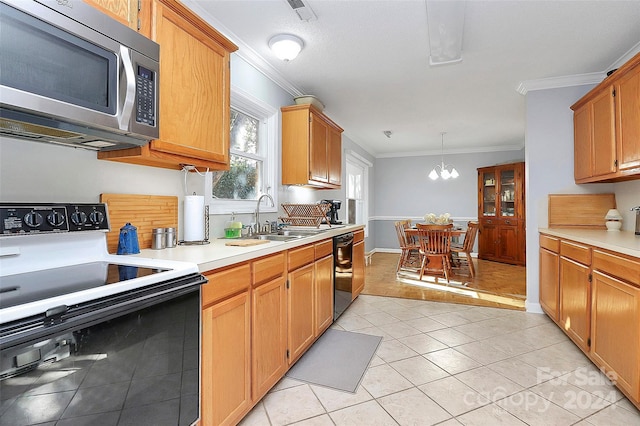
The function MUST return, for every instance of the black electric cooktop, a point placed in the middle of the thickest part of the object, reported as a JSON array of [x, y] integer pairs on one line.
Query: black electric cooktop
[[32, 286]]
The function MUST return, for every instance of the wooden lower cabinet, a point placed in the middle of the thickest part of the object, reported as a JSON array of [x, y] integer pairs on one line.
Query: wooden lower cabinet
[[300, 311], [226, 356], [258, 318], [269, 336], [358, 268], [575, 301], [549, 282], [599, 305], [615, 322], [323, 271]]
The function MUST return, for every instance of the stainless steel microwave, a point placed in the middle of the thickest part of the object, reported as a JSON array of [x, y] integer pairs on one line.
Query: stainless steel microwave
[[71, 75]]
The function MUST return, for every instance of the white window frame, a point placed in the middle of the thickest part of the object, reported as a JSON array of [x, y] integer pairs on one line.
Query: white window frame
[[359, 161], [269, 131]]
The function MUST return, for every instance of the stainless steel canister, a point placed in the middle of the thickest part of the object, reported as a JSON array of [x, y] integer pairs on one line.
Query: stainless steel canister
[[158, 239], [170, 237]]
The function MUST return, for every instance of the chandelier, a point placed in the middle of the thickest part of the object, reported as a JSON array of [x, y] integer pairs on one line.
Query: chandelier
[[445, 173]]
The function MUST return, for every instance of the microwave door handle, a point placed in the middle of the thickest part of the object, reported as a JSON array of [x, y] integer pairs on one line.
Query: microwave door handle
[[130, 95]]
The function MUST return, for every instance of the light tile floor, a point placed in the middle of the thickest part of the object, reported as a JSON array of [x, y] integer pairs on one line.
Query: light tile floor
[[450, 364]]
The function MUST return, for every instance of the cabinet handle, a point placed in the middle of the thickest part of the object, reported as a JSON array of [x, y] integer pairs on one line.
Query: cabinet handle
[[508, 222]]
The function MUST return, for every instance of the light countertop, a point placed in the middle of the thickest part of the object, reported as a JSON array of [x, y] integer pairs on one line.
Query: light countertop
[[217, 255], [625, 242]]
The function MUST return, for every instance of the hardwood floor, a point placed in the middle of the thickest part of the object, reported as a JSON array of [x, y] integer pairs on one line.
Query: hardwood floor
[[495, 284]]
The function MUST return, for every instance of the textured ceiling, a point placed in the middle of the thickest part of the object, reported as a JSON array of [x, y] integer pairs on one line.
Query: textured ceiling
[[368, 61]]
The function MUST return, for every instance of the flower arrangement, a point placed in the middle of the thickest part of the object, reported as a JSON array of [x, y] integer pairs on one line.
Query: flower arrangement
[[443, 219]]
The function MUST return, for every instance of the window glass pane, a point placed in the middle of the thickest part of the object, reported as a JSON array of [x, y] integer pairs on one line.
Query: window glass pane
[[244, 132], [241, 182]]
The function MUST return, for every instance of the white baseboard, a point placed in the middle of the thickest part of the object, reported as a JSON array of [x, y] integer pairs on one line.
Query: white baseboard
[[533, 307]]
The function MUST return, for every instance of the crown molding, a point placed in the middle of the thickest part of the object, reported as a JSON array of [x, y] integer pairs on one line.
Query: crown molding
[[557, 82], [577, 79], [452, 151], [245, 52]]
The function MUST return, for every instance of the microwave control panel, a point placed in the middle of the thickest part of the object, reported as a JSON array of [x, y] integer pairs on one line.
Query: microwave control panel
[[145, 95], [44, 218]]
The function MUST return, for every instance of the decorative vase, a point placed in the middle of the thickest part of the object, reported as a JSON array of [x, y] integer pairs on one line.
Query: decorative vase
[[613, 225]]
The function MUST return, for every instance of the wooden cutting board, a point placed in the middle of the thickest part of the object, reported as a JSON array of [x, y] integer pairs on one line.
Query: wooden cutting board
[[579, 210], [245, 243], [145, 212]]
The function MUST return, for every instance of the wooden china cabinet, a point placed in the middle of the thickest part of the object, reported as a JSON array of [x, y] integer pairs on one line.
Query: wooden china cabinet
[[501, 213]]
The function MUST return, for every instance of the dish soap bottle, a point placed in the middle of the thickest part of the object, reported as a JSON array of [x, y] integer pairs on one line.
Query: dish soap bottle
[[232, 228]]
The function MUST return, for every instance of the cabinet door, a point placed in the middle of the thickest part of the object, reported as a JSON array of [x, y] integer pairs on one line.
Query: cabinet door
[[487, 239], [324, 294], [300, 310], [269, 336], [124, 11], [508, 248], [318, 161], [575, 301], [335, 157], [194, 89], [508, 192], [487, 193], [582, 142], [549, 280], [628, 120], [226, 355], [604, 134], [358, 268], [616, 341]]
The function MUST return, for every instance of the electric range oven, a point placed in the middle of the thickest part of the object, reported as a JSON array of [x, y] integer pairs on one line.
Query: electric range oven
[[89, 338]]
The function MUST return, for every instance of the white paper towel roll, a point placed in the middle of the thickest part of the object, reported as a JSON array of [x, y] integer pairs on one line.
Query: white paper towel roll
[[193, 218]]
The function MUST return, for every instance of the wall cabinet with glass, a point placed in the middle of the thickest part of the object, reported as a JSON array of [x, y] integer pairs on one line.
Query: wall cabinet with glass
[[607, 128], [501, 213], [194, 92], [311, 148]]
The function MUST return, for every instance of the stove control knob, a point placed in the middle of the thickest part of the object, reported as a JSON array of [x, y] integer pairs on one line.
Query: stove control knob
[[96, 217], [78, 218], [33, 219], [55, 218]]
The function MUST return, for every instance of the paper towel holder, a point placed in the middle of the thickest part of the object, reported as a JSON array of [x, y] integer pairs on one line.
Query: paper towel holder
[[206, 232]]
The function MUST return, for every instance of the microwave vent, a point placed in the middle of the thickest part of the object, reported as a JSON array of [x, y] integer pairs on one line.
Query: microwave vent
[[35, 131]]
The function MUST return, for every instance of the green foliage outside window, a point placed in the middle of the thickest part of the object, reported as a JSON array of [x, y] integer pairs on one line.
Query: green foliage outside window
[[242, 181]]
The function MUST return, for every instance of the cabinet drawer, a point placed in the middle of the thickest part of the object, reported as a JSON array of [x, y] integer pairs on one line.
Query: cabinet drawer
[[225, 283], [300, 257], [550, 243], [617, 266], [358, 236], [324, 248], [576, 252], [268, 268]]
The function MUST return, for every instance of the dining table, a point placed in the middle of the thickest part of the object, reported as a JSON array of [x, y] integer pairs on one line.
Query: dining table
[[435, 262]]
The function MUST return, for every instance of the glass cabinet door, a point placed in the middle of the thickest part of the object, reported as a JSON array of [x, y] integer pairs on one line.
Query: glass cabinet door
[[489, 194], [507, 193]]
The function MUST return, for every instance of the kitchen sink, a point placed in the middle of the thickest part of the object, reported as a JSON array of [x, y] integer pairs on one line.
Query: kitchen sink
[[276, 237]]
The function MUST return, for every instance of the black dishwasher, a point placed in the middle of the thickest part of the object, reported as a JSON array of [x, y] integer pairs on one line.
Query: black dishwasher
[[342, 273]]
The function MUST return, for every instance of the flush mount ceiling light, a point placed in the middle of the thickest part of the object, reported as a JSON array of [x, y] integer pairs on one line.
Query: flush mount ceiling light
[[286, 46], [445, 21], [444, 168]]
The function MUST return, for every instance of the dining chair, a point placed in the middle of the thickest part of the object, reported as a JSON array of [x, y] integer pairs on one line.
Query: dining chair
[[435, 244], [466, 248], [409, 249]]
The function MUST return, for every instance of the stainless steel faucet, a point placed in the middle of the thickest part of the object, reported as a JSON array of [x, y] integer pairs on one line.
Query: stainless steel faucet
[[258, 210]]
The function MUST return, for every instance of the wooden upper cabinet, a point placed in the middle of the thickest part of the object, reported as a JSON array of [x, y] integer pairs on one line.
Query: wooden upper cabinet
[[582, 142], [194, 93], [311, 148], [628, 116], [607, 128], [124, 11]]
